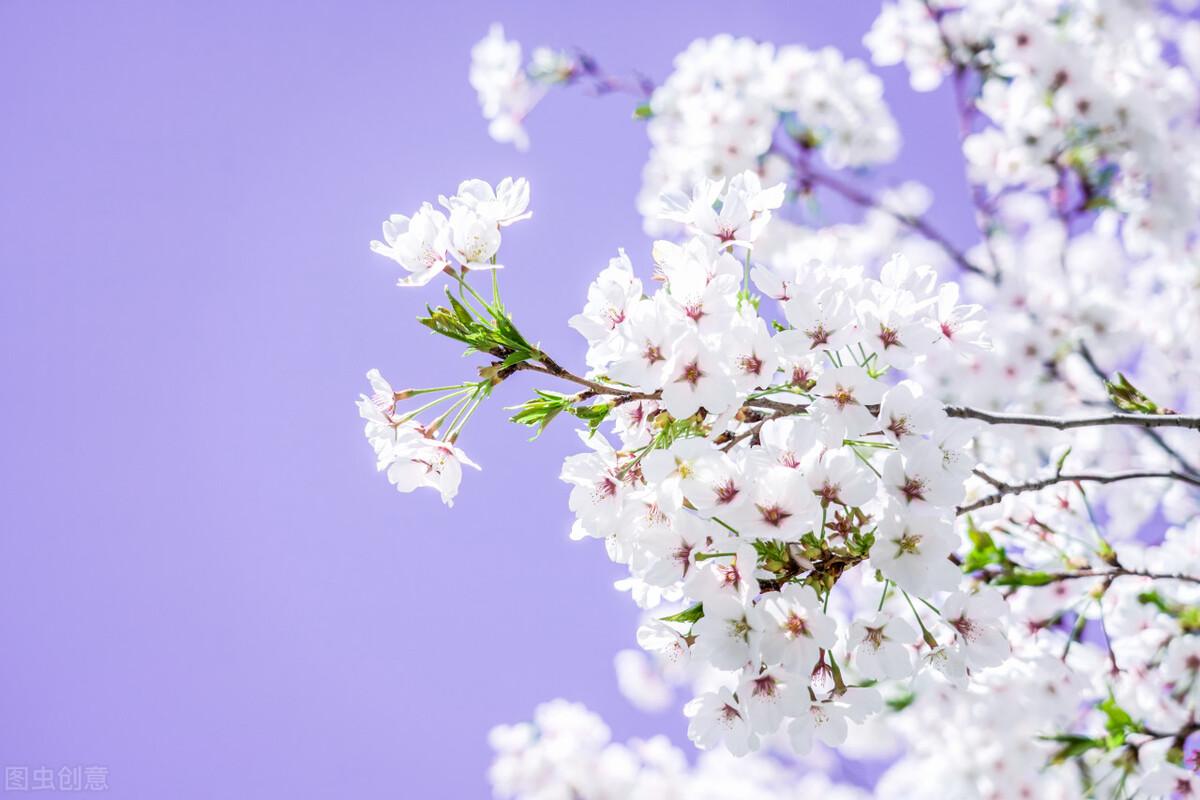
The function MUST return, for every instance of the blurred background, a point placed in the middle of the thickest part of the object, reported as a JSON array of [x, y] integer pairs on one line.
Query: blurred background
[[205, 587]]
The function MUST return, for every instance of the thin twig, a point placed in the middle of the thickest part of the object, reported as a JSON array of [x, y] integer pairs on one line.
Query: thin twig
[[550, 367], [1121, 572], [775, 405], [1109, 575], [1065, 423], [1006, 489]]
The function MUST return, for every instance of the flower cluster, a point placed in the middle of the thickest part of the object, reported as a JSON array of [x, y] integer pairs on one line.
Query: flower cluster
[[731, 105], [508, 90], [831, 542], [996, 737], [467, 233], [1079, 98], [428, 244], [567, 752], [755, 469], [735, 104], [411, 454]]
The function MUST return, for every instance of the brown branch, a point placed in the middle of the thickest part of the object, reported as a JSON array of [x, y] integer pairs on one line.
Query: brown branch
[[1004, 489], [1121, 572], [775, 405], [550, 367], [1065, 423], [1108, 574]]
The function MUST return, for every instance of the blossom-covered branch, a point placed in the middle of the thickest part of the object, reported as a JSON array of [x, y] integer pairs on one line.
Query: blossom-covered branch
[[784, 432]]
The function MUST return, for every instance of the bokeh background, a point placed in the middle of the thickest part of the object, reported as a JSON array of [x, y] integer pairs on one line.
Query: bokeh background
[[204, 585]]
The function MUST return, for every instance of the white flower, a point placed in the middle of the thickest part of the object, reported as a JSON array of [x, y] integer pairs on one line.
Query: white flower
[[899, 275], [906, 414], [722, 577], [598, 487], [913, 550], [1182, 662], [824, 720], [780, 506], [390, 436], [879, 646], [764, 696], [895, 329], [650, 338], [659, 638], [501, 206], [715, 484], [950, 663], [788, 441], [960, 328], [702, 285], [838, 476], [824, 320], [917, 477], [604, 319], [418, 243], [429, 463], [506, 95], [751, 354], [732, 213], [718, 718], [695, 379], [473, 239], [977, 620], [727, 635], [843, 394], [794, 628], [670, 554], [1168, 780]]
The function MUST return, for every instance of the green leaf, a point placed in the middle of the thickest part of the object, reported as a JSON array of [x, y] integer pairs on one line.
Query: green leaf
[[643, 111], [1058, 467], [773, 555], [901, 702], [1117, 722], [514, 358], [1022, 577], [541, 410], [984, 550], [460, 310], [1073, 746], [1106, 552], [689, 615], [1154, 599], [1187, 616], [593, 415], [1128, 397], [1189, 619]]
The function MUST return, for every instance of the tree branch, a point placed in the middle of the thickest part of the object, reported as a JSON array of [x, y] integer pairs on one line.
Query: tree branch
[[550, 367], [1005, 489], [1121, 572], [1064, 423]]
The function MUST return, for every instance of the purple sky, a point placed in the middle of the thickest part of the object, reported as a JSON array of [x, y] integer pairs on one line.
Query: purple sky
[[204, 585]]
